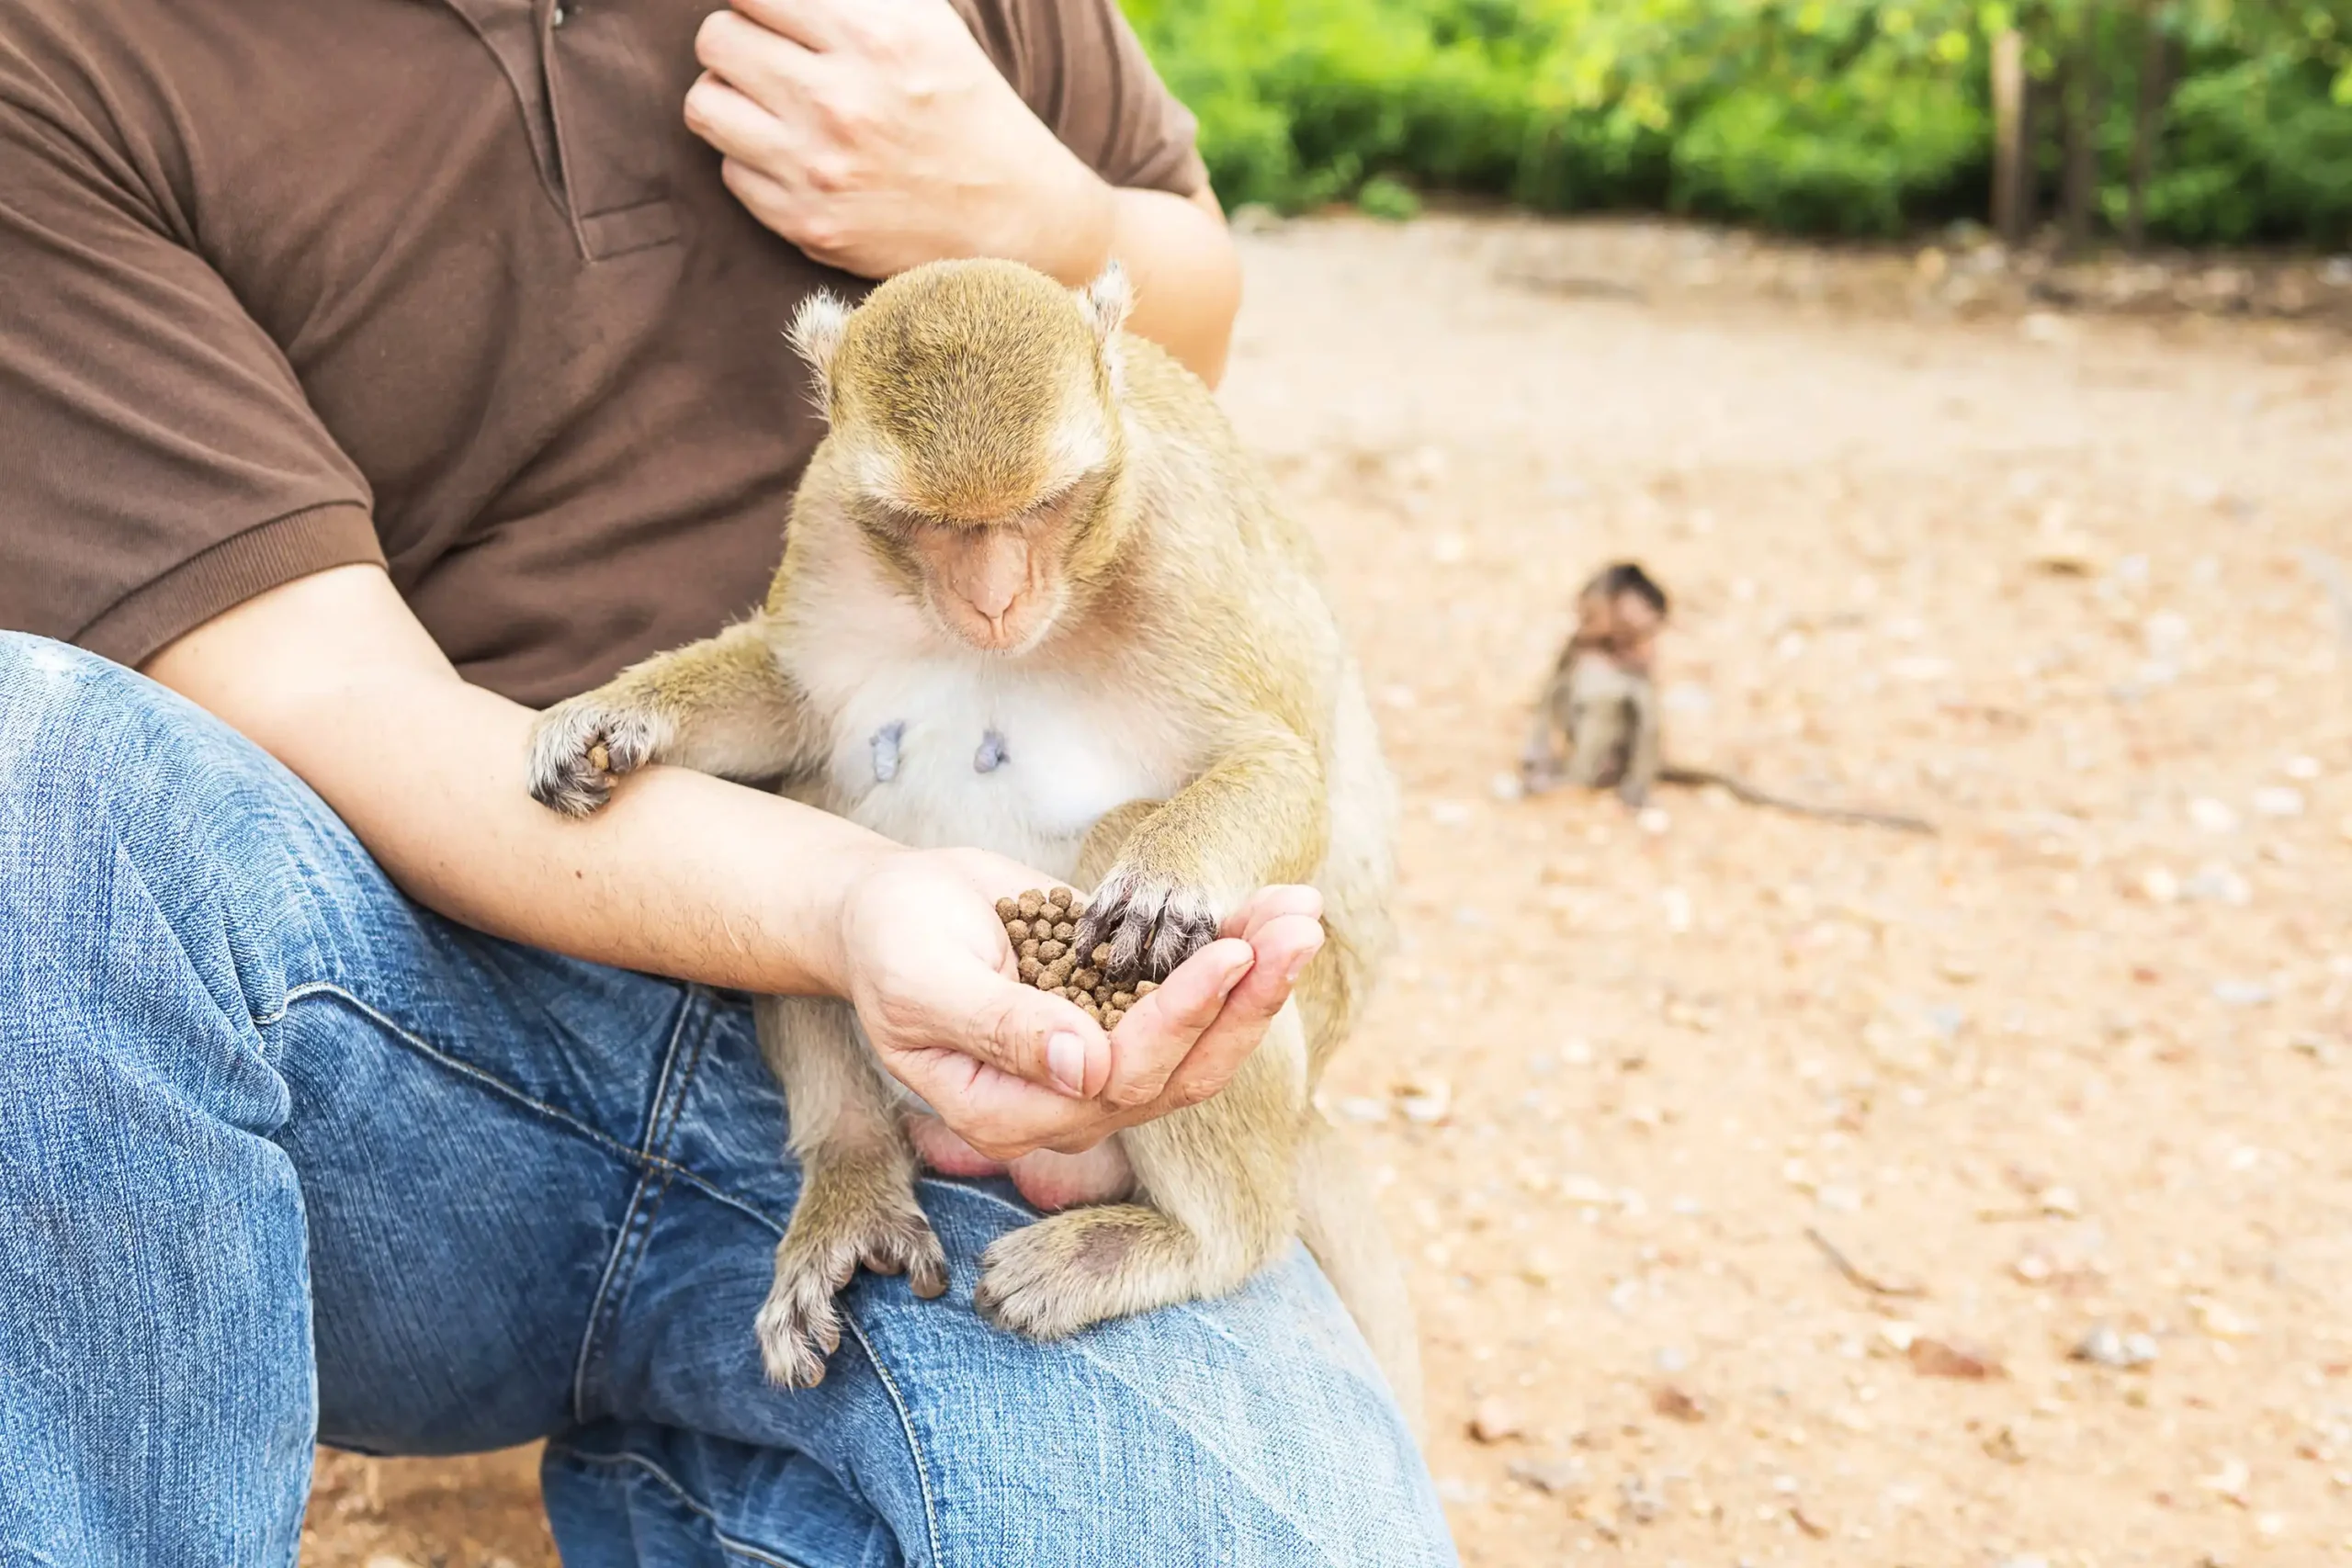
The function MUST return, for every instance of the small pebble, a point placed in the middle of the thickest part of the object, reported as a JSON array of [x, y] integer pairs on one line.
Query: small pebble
[[2278, 800], [1492, 1420], [2218, 884], [1426, 1100], [1550, 1477], [1675, 1403], [2104, 1345], [2211, 815], [1949, 1359]]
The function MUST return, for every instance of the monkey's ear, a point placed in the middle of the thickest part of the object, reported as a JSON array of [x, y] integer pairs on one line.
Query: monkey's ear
[[815, 333], [1106, 302]]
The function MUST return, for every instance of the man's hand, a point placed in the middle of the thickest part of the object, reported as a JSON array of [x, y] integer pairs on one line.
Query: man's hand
[[876, 136], [1011, 1070]]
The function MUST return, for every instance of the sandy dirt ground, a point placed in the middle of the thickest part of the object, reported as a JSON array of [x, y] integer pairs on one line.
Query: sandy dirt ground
[[2068, 1086]]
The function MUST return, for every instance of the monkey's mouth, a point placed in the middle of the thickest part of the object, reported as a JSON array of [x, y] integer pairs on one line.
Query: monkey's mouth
[[1021, 627]]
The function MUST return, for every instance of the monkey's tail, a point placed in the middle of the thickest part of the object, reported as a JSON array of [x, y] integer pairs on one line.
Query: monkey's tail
[[1742, 790], [1342, 1229]]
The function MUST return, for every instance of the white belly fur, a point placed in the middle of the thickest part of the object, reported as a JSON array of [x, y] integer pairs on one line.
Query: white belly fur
[[1069, 755]]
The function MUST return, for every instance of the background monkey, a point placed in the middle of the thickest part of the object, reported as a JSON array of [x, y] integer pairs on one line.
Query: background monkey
[[1034, 599], [1598, 724]]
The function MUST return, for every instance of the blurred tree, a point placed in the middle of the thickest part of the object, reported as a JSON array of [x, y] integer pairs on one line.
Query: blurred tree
[[2219, 120]]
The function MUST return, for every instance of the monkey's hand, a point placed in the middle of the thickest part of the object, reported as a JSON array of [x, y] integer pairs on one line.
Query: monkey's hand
[[1258, 817], [1153, 921], [583, 747]]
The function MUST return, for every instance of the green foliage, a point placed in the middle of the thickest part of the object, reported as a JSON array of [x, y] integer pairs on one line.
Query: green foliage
[[1841, 116], [1381, 197]]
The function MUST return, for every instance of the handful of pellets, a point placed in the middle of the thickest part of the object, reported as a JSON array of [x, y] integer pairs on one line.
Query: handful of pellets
[[1043, 928]]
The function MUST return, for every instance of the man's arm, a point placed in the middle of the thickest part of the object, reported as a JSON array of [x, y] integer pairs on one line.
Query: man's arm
[[689, 875], [877, 135]]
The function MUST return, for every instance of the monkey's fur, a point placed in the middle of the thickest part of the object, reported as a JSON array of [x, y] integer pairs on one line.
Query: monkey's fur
[[1034, 599], [1597, 725]]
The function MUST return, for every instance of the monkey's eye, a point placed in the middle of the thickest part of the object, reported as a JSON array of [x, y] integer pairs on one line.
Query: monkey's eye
[[1072, 501], [898, 522]]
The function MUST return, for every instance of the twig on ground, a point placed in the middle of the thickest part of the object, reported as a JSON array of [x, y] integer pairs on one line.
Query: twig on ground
[[1845, 1265]]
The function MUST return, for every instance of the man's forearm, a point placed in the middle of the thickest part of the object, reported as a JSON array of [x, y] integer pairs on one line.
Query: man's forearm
[[428, 771]]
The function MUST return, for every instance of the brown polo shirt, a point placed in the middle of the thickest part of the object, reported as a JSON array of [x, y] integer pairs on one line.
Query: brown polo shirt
[[289, 284]]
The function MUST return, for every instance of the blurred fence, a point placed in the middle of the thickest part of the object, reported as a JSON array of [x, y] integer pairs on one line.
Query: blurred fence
[[2196, 122]]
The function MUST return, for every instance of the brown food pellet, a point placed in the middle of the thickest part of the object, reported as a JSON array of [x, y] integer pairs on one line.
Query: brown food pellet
[[1042, 926]]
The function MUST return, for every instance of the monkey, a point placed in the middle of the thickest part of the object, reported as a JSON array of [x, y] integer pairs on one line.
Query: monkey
[[1601, 699], [1034, 599]]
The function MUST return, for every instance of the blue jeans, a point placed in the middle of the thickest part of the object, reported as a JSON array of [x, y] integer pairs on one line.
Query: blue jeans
[[285, 1158]]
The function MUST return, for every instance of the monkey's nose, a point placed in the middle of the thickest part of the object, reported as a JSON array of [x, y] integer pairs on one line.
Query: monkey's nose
[[999, 616]]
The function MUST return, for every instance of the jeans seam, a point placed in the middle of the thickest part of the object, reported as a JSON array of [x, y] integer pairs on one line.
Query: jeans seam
[[295, 994], [466, 1069], [670, 1168], [907, 1428], [668, 1099], [628, 1246], [676, 1488]]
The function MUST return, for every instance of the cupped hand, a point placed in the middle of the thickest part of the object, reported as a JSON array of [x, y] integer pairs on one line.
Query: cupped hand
[[877, 135], [1011, 1069]]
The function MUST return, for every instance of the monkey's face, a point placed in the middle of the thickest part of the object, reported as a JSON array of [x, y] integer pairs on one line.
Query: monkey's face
[[1624, 627], [999, 584], [978, 439]]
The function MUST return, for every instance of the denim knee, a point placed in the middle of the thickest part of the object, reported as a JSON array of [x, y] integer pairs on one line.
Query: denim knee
[[73, 729], [145, 846]]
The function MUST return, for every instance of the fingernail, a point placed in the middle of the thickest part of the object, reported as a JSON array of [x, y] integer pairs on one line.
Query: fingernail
[[1233, 977], [1066, 1059]]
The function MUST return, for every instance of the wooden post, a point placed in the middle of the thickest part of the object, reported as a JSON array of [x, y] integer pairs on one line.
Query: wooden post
[[2080, 197], [2147, 120], [2012, 171]]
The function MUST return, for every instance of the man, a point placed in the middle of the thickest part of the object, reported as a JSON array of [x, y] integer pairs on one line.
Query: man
[[371, 372]]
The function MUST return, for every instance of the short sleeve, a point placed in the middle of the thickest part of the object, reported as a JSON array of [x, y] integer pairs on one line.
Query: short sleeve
[[159, 462], [1081, 70]]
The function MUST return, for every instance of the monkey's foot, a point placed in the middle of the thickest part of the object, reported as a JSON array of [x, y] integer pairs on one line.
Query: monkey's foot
[[860, 1221], [1077, 1269], [1152, 924], [579, 749]]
